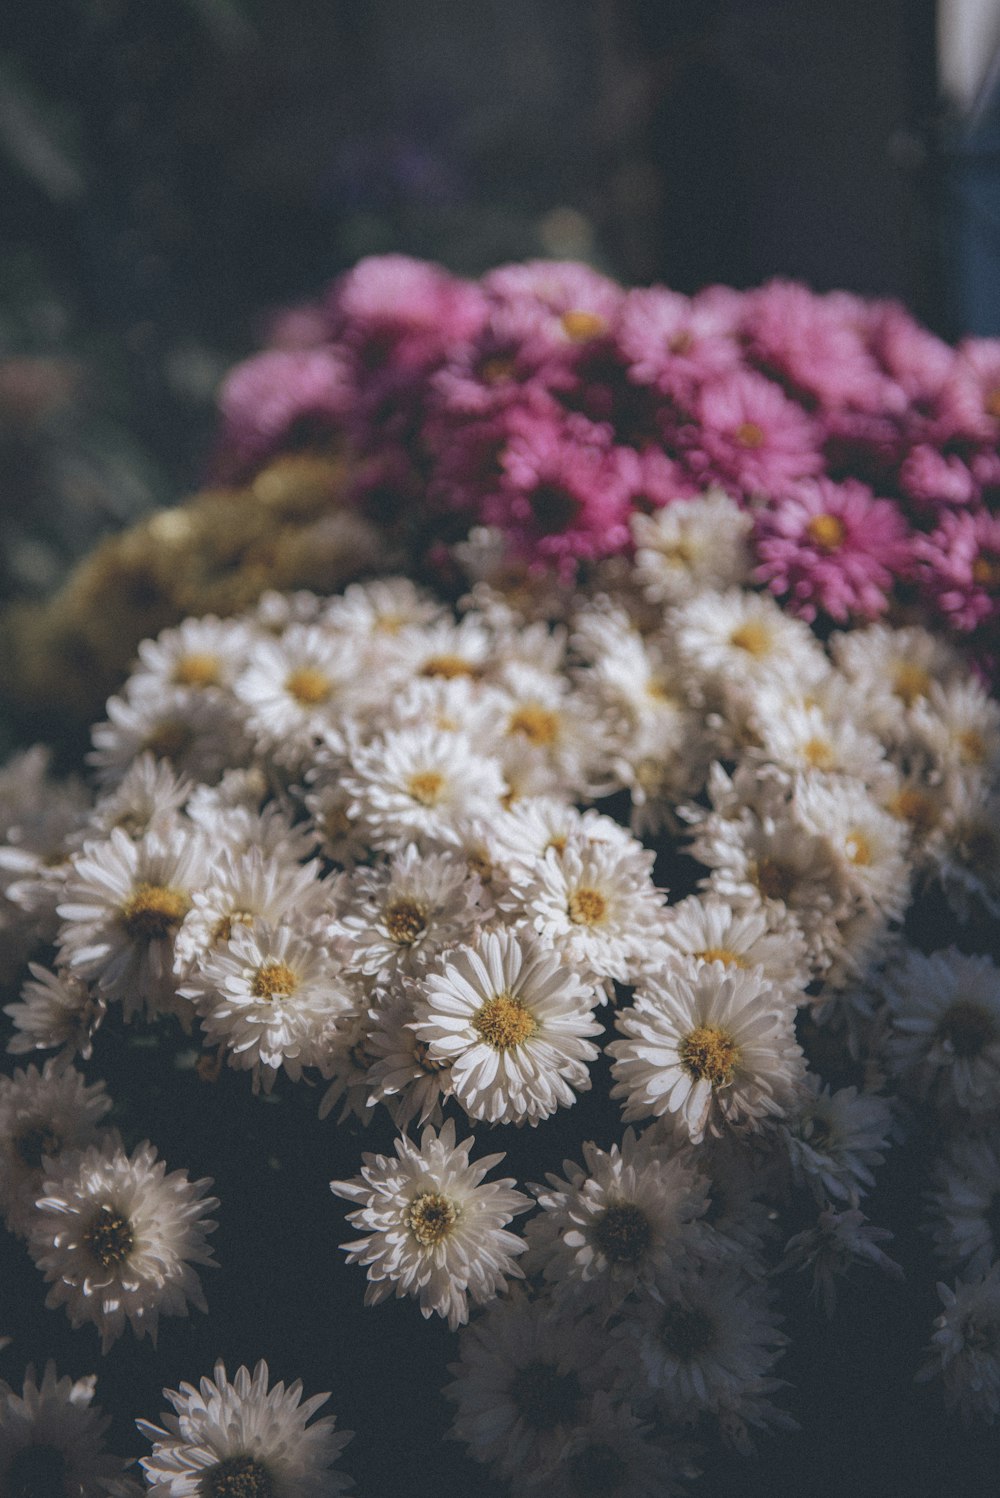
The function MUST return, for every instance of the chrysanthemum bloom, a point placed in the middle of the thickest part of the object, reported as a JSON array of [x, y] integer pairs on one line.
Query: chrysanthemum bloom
[[835, 1140], [749, 437], [964, 1199], [945, 1036], [115, 1237], [704, 928], [124, 905], [839, 1240], [43, 1114], [957, 568], [717, 1049], [52, 1441], [282, 398], [521, 1384], [612, 1453], [690, 545], [56, 1011], [244, 1439], [965, 1347], [674, 342], [626, 1218], [512, 1020], [403, 1074], [832, 549], [432, 1230]]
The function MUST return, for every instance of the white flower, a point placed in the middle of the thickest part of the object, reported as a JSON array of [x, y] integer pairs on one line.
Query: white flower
[[52, 1441], [629, 1215], [416, 784], [401, 916], [716, 1048], [147, 797], [243, 1438], [945, 1039], [205, 655], [965, 1348], [894, 669], [55, 1010], [380, 609], [403, 1074], [867, 844], [124, 905], [610, 1453], [521, 1384], [432, 1230], [737, 640], [267, 996], [704, 928], [596, 904], [43, 1115], [115, 1237], [835, 1139], [691, 545], [197, 733], [292, 687], [512, 1020], [838, 1240], [964, 1199], [243, 889]]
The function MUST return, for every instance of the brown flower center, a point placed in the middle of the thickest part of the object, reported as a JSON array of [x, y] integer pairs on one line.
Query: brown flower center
[[858, 848], [622, 1233], [274, 980], [36, 1142], [536, 724], [579, 326], [197, 670], [169, 740], [986, 570], [503, 1022], [968, 1027], [686, 1332], [448, 667], [991, 403], [774, 879], [237, 1477], [749, 434], [708, 1054], [404, 922], [910, 681], [430, 1217], [153, 912], [917, 808], [109, 1239]]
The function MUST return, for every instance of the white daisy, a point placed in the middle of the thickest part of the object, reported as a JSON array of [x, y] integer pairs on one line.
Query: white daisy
[[739, 639], [416, 783], [124, 905], [945, 1036], [292, 687], [963, 850], [836, 1139], [242, 1438], [381, 608], [52, 1441], [196, 733], [432, 1230], [55, 1010], [626, 1218], [691, 545], [512, 1020], [147, 798], [957, 727], [242, 889], [265, 995], [43, 1115], [403, 1074], [716, 1048], [964, 1198], [704, 928], [204, 654], [115, 1237], [894, 669], [868, 845]]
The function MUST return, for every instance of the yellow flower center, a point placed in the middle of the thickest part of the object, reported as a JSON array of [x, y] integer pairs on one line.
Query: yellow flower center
[[723, 955], [222, 931], [587, 907], [826, 531], [910, 681], [917, 808], [109, 1239], [536, 724], [404, 921], [972, 746], [580, 325], [753, 637], [427, 1063], [991, 403], [503, 1022], [749, 434], [430, 1217], [197, 670], [273, 980], [426, 786], [818, 753], [858, 848], [153, 912], [448, 667], [309, 686], [709, 1054]]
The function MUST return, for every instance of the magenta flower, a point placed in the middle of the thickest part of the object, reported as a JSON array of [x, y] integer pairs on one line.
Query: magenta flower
[[394, 311], [675, 342], [280, 399], [832, 549], [958, 568], [749, 437], [931, 479]]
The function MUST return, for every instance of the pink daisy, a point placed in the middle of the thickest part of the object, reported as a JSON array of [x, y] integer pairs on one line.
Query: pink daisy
[[831, 548], [673, 342], [931, 479], [284, 398], [958, 568], [749, 436]]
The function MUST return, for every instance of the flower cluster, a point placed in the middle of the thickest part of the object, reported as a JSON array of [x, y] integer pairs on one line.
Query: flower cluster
[[354, 840], [552, 406]]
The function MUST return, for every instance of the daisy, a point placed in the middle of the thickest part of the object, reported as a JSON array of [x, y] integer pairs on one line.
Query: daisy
[[148, 797], [610, 1452], [868, 845], [55, 1010], [264, 996], [292, 687], [416, 783], [836, 1139], [716, 1048], [740, 639], [964, 1200], [124, 905], [513, 1023], [432, 1230], [691, 545], [705, 928], [43, 1115], [894, 669], [204, 654], [115, 1237], [242, 889], [965, 1347], [945, 1036], [403, 1074], [52, 1441], [616, 1224], [197, 733], [243, 1438]]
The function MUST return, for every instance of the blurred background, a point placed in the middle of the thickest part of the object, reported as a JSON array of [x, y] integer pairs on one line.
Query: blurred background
[[171, 173]]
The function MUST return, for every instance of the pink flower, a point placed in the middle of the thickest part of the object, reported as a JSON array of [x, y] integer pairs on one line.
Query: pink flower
[[932, 479], [674, 342], [280, 399], [396, 311], [968, 404], [564, 496], [958, 568], [833, 549], [750, 437], [915, 358], [567, 302]]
